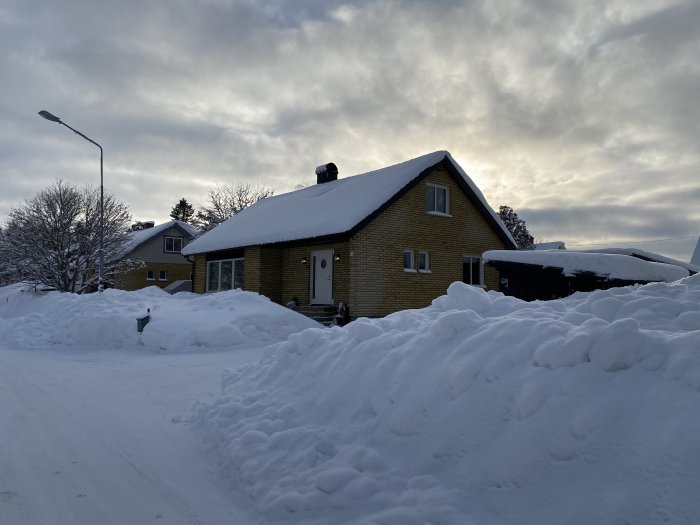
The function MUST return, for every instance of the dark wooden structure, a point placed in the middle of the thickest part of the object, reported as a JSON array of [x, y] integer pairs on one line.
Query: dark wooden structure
[[532, 282]]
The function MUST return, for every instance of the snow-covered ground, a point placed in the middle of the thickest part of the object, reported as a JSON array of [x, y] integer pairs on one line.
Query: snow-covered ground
[[229, 409]]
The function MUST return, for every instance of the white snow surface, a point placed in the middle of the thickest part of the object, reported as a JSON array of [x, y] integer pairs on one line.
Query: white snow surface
[[608, 265], [480, 409], [322, 209], [180, 322]]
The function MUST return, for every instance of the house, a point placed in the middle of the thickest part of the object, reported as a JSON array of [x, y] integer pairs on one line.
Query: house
[[552, 274], [379, 242], [159, 248]]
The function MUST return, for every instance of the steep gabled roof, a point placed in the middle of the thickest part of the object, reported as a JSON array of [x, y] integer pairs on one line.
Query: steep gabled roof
[[335, 208], [140, 237]]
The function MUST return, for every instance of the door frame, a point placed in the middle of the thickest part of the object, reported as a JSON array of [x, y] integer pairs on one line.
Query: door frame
[[314, 277]]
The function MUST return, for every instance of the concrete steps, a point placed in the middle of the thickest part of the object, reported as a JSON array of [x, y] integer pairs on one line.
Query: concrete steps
[[321, 313]]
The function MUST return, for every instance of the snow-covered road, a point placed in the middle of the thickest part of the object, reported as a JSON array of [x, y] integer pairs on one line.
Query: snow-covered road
[[89, 436]]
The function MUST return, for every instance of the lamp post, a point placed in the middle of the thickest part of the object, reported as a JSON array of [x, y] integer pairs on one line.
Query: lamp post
[[53, 118]]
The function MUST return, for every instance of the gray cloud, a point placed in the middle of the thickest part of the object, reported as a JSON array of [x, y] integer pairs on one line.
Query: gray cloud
[[559, 109]]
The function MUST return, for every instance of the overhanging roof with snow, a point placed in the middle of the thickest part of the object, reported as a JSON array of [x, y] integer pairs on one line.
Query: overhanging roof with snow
[[604, 265], [336, 209]]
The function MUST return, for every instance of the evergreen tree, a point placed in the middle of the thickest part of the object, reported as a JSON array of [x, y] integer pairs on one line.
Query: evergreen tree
[[182, 211], [517, 228]]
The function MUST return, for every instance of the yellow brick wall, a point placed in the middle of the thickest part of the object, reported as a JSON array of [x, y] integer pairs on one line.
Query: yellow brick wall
[[296, 275], [379, 284], [199, 282], [136, 279]]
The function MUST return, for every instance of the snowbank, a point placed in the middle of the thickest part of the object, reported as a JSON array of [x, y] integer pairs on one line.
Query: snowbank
[[180, 322], [479, 409]]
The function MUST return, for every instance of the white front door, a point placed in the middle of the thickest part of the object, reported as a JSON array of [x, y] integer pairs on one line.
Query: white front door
[[321, 277]]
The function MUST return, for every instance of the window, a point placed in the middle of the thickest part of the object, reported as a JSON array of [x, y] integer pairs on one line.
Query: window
[[150, 275], [225, 275], [472, 271], [408, 265], [437, 199], [424, 262], [173, 244], [163, 275]]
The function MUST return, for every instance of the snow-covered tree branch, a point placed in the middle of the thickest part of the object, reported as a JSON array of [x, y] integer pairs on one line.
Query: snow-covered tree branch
[[54, 238]]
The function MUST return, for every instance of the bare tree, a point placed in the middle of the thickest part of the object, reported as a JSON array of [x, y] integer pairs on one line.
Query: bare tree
[[54, 238], [225, 201]]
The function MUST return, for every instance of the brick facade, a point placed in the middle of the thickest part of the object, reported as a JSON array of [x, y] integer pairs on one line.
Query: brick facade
[[379, 283], [138, 278]]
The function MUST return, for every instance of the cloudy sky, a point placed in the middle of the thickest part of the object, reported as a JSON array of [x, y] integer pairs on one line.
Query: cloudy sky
[[582, 116]]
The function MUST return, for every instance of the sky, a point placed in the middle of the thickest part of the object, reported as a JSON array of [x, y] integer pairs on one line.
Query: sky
[[582, 116]]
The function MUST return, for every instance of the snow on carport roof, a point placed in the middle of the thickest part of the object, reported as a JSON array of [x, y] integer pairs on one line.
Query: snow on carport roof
[[649, 256], [608, 265], [323, 209]]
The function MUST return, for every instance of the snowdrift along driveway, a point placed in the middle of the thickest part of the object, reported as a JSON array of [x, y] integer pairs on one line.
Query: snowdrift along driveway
[[479, 409]]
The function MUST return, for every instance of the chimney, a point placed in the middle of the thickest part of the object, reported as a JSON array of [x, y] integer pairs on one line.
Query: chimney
[[148, 224], [326, 173]]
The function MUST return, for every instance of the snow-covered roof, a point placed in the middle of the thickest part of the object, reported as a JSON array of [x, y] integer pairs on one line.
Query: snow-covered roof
[[139, 237], [607, 265], [326, 209], [648, 256]]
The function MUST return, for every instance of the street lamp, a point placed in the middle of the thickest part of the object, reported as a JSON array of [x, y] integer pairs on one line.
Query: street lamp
[[53, 118]]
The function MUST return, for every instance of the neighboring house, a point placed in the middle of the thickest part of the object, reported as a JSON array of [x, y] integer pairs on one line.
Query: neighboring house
[[383, 241], [159, 248], [552, 274]]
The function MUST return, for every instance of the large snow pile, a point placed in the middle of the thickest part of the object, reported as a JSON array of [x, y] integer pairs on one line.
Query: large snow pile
[[479, 409], [180, 322]]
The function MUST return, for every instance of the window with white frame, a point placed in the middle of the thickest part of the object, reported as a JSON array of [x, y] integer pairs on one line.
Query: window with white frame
[[225, 275], [424, 262], [437, 199], [173, 244], [408, 262], [150, 275], [163, 275], [472, 270]]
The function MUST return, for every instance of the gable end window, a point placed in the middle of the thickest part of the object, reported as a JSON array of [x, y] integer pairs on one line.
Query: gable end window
[[408, 262], [173, 244], [437, 199], [424, 262], [472, 270]]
